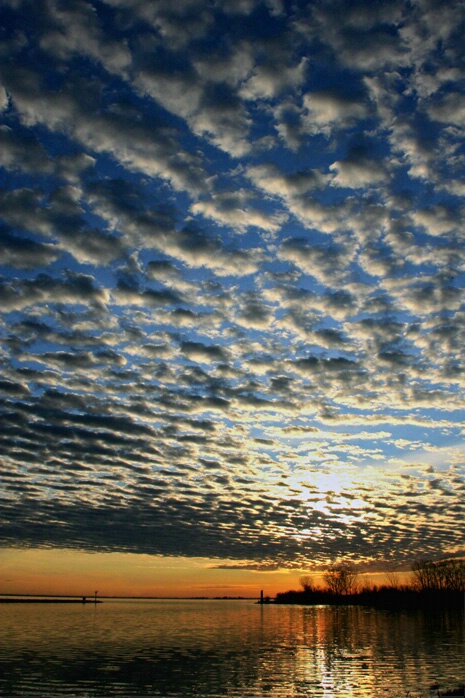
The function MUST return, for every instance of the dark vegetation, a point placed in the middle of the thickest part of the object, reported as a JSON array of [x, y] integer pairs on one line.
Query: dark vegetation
[[433, 584], [460, 691]]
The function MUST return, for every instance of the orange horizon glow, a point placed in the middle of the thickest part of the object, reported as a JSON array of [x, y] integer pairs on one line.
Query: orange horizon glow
[[75, 573]]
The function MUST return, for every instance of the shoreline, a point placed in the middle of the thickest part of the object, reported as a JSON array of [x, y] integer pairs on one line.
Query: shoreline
[[84, 602], [383, 598]]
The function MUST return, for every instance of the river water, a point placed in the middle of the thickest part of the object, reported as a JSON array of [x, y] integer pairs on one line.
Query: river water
[[226, 649]]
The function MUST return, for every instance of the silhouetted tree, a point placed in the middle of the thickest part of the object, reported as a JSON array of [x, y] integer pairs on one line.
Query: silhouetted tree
[[446, 575], [393, 579], [306, 582], [341, 579]]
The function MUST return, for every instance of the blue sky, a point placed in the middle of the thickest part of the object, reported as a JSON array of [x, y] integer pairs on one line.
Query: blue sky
[[232, 282]]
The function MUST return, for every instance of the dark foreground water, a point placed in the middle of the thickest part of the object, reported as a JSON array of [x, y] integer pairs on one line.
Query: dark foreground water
[[230, 649]]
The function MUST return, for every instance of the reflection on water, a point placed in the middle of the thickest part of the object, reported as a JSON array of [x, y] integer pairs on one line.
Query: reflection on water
[[219, 648]]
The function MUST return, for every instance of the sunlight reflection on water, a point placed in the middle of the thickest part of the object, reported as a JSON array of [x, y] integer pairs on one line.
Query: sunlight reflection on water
[[226, 648]]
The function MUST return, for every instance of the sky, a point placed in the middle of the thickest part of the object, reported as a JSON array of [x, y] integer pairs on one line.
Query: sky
[[232, 291]]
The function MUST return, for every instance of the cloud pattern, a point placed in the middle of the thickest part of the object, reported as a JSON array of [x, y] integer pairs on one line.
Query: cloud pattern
[[232, 278]]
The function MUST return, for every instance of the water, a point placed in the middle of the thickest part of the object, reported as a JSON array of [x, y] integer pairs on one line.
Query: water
[[226, 649]]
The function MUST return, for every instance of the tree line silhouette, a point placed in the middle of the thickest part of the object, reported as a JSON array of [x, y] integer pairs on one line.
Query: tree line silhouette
[[433, 583]]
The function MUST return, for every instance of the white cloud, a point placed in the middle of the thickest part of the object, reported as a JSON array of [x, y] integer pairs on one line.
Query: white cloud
[[358, 173], [439, 219], [76, 31], [450, 109], [326, 110], [234, 209], [3, 99], [268, 80]]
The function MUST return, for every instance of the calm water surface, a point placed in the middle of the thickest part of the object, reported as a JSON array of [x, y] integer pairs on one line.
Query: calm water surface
[[230, 649]]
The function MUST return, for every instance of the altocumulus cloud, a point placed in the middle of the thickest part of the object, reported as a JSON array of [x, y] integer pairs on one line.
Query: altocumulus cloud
[[232, 279]]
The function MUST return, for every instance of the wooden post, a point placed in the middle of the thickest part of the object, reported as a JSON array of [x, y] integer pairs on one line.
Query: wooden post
[[261, 596]]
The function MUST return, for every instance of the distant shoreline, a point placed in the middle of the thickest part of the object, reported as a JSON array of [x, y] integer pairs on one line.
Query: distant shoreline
[[90, 598], [65, 598], [42, 600]]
